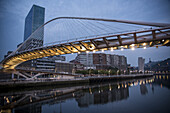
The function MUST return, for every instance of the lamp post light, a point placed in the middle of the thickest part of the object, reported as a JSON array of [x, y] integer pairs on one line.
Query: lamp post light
[[89, 71], [117, 72], [109, 72]]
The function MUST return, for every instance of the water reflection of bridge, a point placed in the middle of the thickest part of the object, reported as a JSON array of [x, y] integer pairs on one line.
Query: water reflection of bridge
[[84, 95]]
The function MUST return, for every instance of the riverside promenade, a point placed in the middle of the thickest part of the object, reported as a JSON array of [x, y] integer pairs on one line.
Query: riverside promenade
[[77, 80]]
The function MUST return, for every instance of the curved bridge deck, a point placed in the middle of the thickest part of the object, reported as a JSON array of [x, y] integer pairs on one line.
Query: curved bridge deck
[[159, 36]]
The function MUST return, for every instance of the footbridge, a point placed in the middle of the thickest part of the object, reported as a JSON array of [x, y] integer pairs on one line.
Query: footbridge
[[68, 35]]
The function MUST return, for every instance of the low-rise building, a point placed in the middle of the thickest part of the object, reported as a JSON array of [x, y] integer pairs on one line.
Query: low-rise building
[[64, 67], [42, 64]]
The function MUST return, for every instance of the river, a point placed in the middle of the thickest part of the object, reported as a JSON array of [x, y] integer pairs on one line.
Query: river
[[147, 95]]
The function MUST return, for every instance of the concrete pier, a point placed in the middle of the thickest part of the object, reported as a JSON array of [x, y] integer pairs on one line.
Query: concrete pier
[[117, 77], [51, 81]]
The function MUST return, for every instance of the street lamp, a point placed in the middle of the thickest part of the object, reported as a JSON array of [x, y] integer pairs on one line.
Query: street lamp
[[89, 71], [117, 72], [109, 72]]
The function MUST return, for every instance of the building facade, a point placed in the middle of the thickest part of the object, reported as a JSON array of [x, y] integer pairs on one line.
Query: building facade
[[42, 64], [77, 65], [64, 67], [86, 60], [102, 61], [141, 63], [122, 63], [99, 58]]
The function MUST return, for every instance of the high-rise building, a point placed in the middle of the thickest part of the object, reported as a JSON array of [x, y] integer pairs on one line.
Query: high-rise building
[[33, 21], [141, 62]]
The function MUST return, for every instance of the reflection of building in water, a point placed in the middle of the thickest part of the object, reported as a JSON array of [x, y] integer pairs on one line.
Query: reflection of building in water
[[103, 97], [162, 79], [152, 89], [2, 101], [31, 108], [85, 100], [143, 89]]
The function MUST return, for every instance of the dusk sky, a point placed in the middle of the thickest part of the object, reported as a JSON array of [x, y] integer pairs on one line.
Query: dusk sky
[[13, 13]]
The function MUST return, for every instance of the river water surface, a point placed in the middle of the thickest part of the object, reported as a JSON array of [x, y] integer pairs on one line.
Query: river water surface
[[148, 95]]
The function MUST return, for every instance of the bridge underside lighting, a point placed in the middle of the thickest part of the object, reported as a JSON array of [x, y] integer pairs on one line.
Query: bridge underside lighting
[[144, 44], [87, 51], [111, 49], [133, 48], [17, 59], [132, 45], [12, 62]]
